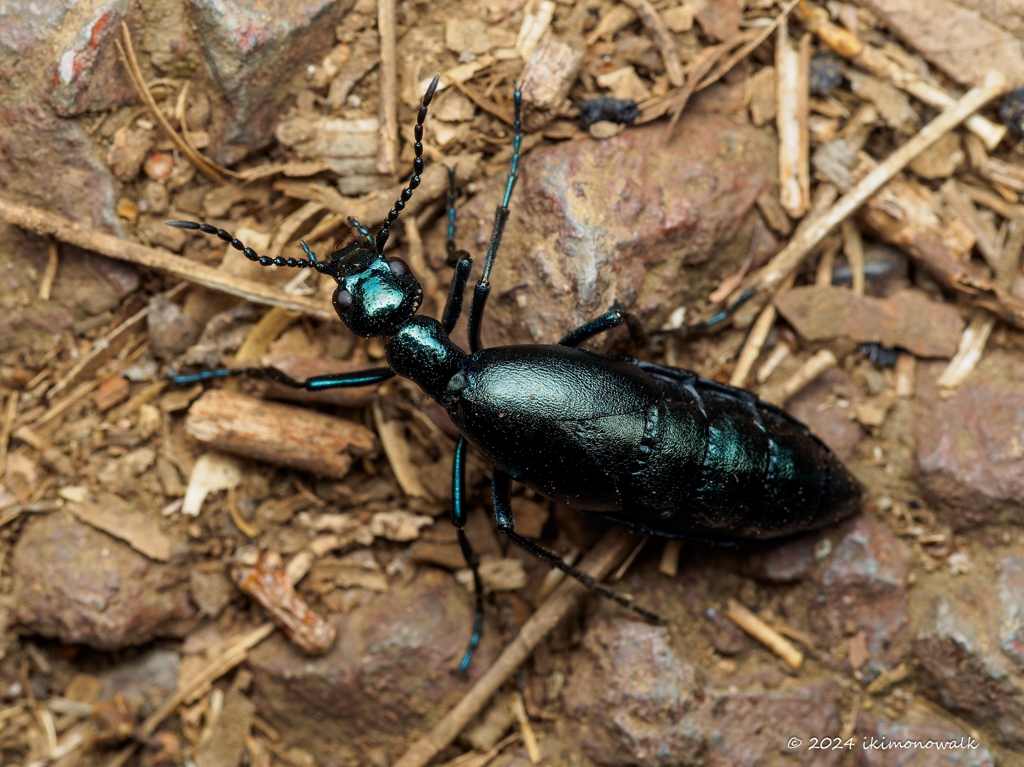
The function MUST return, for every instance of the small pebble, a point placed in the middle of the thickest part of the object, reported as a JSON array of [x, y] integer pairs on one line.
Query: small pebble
[[159, 165]]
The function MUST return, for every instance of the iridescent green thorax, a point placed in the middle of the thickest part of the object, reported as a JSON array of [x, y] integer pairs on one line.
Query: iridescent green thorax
[[422, 352]]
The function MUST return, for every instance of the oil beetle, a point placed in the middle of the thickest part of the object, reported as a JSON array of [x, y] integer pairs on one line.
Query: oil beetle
[[655, 448]]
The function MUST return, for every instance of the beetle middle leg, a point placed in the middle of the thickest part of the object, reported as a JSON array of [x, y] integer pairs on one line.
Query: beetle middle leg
[[500, 486], [607, 321]]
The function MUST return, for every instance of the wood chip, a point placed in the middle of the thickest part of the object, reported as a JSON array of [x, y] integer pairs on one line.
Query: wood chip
[[137, 528], [262, 577], [279, 434]]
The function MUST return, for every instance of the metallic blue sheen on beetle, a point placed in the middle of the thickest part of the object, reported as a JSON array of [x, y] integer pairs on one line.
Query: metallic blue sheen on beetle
[[658, 449]]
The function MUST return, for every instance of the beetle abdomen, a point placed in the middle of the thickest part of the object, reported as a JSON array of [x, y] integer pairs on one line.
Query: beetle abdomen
[[725, 465]]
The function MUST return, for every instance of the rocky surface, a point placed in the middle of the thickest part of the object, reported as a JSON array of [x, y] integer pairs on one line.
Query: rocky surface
[[966, 637], [970, 446], [864, 590], [77, 584], [389, 677], [595, 222]]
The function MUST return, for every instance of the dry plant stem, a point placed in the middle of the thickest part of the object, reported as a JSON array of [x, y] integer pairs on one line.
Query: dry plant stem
[[791, 69], [675, 101], [518, 709], [747, 48], [964, 208], [8, 426], [387, 153], [664, 39], [765, 634], [972, 344], [824, 196], [392, 438], [849, 46], [597, 563], [669, 564], [46, 284], [213, 172], [755, 339], [292, 223], [484, 103], [804, 242], [853, 247], [107, 347], [827, 262], [41, 222], [808, 372], [219, 666]]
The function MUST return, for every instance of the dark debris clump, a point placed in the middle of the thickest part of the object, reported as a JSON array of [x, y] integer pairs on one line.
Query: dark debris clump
[[607, 109], [826, 73], [1012, 111]]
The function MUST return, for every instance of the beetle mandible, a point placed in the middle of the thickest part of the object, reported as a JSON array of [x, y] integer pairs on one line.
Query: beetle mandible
[[658, 449]]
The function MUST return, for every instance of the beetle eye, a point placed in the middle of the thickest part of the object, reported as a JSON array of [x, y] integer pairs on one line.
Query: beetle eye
[[398, 267], [342, 299]]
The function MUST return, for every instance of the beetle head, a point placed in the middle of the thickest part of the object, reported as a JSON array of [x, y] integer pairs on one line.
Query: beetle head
[[375, 295]]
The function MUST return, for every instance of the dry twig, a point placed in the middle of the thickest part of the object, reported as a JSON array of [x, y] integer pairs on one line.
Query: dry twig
[[387, 153], [765, 634], [42, 222], [662, 37], [598, 563], [790, 257], [204, 165]]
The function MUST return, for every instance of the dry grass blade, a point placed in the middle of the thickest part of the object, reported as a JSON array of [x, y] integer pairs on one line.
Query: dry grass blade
[[213, 172], [662, 37], [41, 222]]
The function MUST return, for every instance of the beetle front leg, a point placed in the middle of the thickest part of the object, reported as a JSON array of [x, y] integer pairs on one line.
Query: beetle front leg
[[316, 383], [500, 492]]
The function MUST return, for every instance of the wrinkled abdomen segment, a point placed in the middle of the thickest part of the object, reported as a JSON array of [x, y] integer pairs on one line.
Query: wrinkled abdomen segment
[[719, 474]]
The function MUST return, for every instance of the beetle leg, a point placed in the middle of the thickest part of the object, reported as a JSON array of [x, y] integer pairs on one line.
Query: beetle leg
[[500, 483], [453, 306], [316, 383], [607, 321], [459, 520], [483, 286]]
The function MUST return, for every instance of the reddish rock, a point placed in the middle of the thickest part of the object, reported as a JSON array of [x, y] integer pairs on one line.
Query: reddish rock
[[956, 638], [86, 74], [170, 329], [863, 588], [52, 163], [80, 585], [917, 739], [969, 448], [782, 564], [1011, 601], [638, 702], [593, 222], [631, 694], [826, 407], [253, 48], [908, 319], [754, 726], [389, 677]]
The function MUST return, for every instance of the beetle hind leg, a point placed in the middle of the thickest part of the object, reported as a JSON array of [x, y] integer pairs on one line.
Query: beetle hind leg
[[459, 521], [500, 484]]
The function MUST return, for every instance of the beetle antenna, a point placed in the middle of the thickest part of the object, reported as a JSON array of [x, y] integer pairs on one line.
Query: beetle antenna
[[252, 255], [364, 232], [417, 168]]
